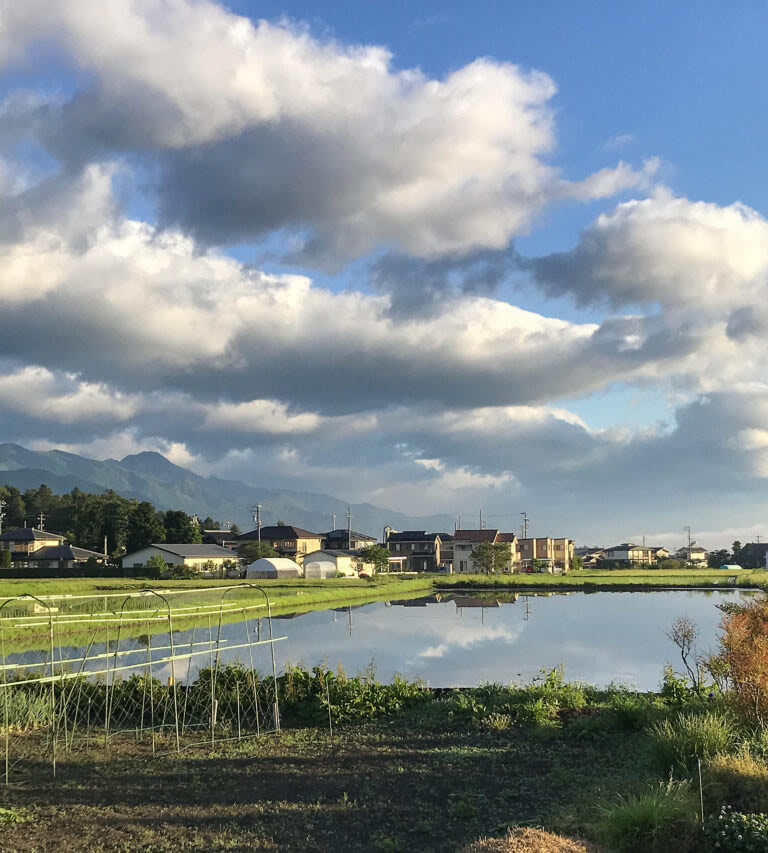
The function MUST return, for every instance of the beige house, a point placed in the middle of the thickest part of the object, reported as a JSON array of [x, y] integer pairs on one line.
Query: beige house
[[197, 557], [632, 554], [287, 540], [39, 549], [29, 539], [551, 554]]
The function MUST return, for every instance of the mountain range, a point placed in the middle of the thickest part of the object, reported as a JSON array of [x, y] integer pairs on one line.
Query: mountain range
[[151, 477]]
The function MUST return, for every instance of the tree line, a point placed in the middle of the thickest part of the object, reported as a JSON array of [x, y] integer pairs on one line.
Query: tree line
[[88, 520]]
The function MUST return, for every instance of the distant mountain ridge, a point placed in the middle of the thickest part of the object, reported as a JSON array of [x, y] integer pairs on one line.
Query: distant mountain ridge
[[151, 477]]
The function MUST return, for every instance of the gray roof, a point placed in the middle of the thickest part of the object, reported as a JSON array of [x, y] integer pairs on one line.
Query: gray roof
[[194, 550], [28, 534], [341, 533], [280, 531], [57, 552]]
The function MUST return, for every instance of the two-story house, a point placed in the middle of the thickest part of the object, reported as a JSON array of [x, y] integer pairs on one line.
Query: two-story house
[[287, 540], [632, 554], [420, 551], [343, 539], [465, 541], [38, 549]]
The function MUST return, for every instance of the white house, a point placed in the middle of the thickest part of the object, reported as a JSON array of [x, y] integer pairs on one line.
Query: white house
[[325, 564], [189, 556], [273, 567]]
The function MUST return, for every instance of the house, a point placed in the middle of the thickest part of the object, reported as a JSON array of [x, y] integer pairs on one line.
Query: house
[[342, 539], [224, 538], [273, 567], [465, 541], [28, 539], [196, 557], [329, 562], [632, 554], [422, 550], [590, 557], [698, 555], [40, 549], [550, 554], [287, 540]]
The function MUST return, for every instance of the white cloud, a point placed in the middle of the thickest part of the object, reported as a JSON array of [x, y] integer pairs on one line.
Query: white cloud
[[277, 128]]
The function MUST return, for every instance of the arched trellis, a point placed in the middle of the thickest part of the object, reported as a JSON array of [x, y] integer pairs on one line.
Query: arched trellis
[[89, 703]]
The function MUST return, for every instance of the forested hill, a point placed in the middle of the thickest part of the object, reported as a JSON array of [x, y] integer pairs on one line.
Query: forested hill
[[153, 478]]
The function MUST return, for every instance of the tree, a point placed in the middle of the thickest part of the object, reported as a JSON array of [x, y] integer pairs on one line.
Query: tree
[[250, 551], [234, 530], [281, 524], [144, 528], [744, 651], [490, 557], [736, 553], [376, 556], [182, 528], [715, 559], [5, 559], [577, 563], [209, 524]]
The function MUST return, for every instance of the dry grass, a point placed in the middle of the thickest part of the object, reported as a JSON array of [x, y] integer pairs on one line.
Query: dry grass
[[528, 840]]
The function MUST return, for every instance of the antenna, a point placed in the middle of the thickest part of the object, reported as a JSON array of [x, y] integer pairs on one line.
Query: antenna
[[349, 528], [256, 514], [688, 530], [524, 525]]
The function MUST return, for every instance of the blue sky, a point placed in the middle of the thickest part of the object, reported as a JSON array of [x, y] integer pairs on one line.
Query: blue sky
[[521, 262]]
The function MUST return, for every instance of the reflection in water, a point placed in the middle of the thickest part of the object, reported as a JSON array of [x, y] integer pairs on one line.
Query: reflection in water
[[463, 640]]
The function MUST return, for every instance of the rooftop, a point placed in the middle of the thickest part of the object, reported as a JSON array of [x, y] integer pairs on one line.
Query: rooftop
[[280, 531], [28, 534], [183, 550], [475, 535]]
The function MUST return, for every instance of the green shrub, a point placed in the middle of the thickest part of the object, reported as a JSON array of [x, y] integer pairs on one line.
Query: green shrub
[[657, 821], [740, 781], [756, 743], [733, 832], [678, 743], [633, 712]]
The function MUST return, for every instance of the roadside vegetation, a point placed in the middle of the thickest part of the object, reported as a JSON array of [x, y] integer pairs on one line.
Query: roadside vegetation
[[395, 767]]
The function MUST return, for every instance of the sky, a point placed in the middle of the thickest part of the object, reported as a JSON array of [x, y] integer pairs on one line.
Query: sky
[[442, 257]]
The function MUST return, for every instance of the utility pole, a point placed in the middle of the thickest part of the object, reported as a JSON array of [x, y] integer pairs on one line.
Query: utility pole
[[349, 528], [481, 519], [42, 521], [333, 517], [3, 505], [256, 513], [524, 525], [688, 530]]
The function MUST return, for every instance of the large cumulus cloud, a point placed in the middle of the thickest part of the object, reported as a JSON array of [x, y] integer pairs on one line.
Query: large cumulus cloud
[[276, 129]]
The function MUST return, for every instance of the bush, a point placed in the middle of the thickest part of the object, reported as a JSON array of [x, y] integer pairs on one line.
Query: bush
[[633, 712], [678, 743], [740, 781], [661, 819], [732, 832]]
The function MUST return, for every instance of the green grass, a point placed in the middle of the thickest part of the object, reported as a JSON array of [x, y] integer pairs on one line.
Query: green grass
[[605, 580], [658, 820], [678, 743]]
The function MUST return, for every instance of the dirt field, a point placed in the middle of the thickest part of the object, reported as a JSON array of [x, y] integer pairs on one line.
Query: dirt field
[[391, 786]]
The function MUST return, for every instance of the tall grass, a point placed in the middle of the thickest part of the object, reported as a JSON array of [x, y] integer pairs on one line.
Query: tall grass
[[678, 743], [656, 821]]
